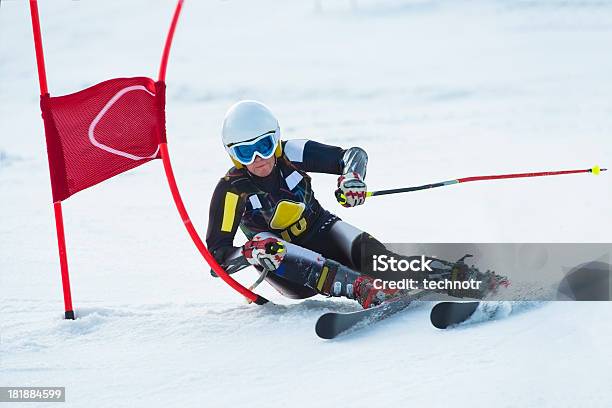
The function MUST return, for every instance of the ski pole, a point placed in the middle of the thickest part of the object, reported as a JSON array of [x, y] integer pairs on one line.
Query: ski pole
[[595, 170]]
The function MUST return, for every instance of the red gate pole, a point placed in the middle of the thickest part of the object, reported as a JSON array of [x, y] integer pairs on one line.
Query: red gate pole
[[61, 243], [57, 206]]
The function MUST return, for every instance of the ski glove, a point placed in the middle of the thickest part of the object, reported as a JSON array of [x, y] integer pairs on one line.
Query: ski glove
[[351, 190], [267, 253]]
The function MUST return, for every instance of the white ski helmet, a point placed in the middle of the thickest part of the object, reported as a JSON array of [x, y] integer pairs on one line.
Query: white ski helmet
[[250, 129]]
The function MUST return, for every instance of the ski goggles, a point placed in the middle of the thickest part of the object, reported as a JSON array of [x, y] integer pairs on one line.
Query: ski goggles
[[262, 146]]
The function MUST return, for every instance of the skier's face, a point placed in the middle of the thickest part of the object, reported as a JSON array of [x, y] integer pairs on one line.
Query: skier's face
[[262, 167]]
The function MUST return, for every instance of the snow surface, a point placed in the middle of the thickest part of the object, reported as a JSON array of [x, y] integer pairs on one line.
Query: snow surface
[[433, 90]]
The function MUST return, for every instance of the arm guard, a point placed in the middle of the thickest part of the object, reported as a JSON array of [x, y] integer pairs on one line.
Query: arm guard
[[230, 258], [355, 160]]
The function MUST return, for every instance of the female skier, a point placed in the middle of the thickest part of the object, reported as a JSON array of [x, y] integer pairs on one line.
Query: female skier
[[299, 247]]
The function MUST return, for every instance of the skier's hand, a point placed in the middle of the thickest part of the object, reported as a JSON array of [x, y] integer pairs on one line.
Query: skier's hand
[[267, 253], [351, 190]]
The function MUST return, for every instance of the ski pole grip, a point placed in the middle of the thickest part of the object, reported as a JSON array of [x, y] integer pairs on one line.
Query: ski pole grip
[[274, 248], [340, 197]]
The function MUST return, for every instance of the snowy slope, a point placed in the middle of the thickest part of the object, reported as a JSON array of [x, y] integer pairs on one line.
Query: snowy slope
[[432, 90]]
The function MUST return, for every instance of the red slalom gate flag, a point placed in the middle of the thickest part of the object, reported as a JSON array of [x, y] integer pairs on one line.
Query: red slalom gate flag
[[104, 130]]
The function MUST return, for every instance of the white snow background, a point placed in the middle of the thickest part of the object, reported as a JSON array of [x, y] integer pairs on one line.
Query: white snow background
[[433, 90]]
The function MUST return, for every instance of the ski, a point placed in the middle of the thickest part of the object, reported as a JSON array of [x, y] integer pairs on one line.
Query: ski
[[330, 325], [446, 314]]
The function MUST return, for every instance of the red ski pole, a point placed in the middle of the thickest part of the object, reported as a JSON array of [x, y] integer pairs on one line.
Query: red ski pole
[[594, 170]]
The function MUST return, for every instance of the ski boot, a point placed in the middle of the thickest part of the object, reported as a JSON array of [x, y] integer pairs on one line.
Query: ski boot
[[490, 281], [368, 296]]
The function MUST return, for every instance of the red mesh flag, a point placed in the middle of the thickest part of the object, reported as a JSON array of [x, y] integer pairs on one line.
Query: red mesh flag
[[101, 131]]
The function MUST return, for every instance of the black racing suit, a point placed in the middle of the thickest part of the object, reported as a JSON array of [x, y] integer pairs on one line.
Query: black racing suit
[[284, 204]]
